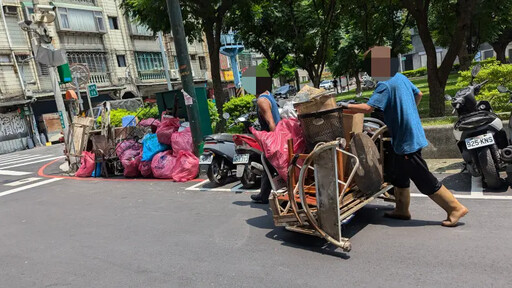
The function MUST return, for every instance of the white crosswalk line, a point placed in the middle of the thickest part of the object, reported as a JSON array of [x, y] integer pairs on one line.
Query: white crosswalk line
[[23, 181], [32, 162], [19, 161], [17, 157], [13, 173], [476, 187], [28, 186]]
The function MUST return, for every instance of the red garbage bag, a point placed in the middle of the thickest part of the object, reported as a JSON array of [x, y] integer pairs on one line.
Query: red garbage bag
[[135, 151], [168, 125], [182, 141], [163, 164], [275, 144], [145, 169], [131, 166], [186, 168], [87, 165], [149, 122], [125, 145]]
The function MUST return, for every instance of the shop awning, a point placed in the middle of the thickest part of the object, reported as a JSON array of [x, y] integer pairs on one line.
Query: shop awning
[[14, 103]]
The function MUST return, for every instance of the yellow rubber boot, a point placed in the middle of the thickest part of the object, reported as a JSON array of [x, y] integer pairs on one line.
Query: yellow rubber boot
[[444, 198], [402, 200]]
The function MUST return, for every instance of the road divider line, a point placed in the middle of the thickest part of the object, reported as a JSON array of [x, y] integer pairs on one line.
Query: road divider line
[[237, 188], [15, 190], [17, 157], [33, 162], [476, 186], [22, 160], [14, 173], [23, 181], [473, 197]]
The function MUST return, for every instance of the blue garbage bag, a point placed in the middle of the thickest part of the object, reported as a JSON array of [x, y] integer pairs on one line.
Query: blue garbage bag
[[151, 146]]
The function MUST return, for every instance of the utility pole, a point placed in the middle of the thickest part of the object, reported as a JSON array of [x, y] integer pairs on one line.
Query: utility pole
[[165, 60], [180, 43]]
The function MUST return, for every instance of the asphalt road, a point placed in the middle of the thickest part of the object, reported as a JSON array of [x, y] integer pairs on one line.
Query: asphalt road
[[71, 233]]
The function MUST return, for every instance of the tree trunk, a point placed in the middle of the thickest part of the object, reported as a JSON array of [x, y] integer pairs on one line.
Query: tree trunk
[[220, 97], [500, 49], [465, 58], [358, 84]]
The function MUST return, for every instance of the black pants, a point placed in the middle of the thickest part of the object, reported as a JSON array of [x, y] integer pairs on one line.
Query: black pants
[[413, 167], [266, 187]]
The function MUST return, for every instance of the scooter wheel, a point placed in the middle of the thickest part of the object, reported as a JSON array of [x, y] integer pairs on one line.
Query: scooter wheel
[[250, 180], [215, 174]]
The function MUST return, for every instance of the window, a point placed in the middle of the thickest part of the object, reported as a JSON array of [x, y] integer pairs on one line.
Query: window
[[147, 61], [96, 62], [488, 54], [176, 65], [121, 61], [44, 70], [63, 18], [202, 63], [112, 22], [5, 58], [99, 21], [193, 57]]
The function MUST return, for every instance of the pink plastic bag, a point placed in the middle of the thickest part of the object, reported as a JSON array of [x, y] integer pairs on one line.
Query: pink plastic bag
[[149, 122], [186, 168], [275, 144], [182, 141], [131, 166], [168, 125], [145, 169], [163, 164], [125, 145], [87, 165]]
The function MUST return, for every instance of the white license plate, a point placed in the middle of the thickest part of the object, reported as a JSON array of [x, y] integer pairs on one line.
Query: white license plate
[[206, 159], [480, 141], [241, 159]]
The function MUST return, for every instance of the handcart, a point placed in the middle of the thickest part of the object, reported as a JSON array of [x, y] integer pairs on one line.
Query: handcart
[[322, 190]]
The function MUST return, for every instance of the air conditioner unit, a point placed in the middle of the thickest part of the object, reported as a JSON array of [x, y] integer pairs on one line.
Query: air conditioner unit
[[10, 10], [175, 74]]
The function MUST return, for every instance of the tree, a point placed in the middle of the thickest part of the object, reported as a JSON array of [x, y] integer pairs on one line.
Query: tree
[[260, 24], [287, 71], [312, 25], [368, 24], [438, 76], [199, 16]]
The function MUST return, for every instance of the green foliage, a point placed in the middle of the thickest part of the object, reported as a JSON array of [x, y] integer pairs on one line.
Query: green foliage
[[214, 114], [497, 74], [416, 73], [148, 111], [238, 106], [287, 70], [145, 112]]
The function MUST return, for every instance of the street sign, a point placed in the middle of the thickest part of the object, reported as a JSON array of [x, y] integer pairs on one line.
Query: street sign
[[403, 58], [92, 90], [62, 120]]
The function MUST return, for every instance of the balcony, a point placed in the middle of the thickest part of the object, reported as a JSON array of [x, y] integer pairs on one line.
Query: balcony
[[79, 2], [151, 75], [100, 78]]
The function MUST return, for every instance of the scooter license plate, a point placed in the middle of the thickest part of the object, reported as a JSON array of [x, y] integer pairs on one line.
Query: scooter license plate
[[480, 141], [241, 159], [206, 159], [240, 170]]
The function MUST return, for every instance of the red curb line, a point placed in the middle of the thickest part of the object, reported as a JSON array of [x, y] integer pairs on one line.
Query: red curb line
[[41, 173]]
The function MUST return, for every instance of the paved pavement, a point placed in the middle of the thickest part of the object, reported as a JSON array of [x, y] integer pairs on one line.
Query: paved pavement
[[94, 233]]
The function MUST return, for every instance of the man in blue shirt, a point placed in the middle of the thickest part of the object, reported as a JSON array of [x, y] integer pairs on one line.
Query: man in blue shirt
[[399, 98]]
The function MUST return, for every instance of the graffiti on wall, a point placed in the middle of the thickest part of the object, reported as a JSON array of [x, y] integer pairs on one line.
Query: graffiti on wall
[[12, 126]]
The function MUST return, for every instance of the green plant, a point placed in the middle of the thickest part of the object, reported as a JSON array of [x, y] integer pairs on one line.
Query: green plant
[[147, 111], [416, 73], [238, 106], [497, 74], [214, 114]]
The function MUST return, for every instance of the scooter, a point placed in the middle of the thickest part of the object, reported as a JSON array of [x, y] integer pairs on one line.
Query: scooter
[[506, 153], [479, 133]]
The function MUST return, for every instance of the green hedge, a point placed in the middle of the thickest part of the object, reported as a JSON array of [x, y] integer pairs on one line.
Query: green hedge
[[116, 116], [497, 74], [416, 73], [214, 114], [236, 107]]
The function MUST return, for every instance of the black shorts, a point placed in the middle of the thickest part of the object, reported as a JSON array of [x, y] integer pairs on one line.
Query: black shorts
[[413, 167]]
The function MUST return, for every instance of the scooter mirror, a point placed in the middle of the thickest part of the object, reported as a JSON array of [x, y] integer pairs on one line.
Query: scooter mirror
[[447, 97], [225, 116], [475, 70], [502, 89]]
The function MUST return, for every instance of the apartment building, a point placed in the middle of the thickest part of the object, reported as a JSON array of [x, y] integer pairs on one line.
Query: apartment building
[[123, 57]]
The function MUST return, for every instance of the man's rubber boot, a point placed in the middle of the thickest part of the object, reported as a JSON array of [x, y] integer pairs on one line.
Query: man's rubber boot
[[258, 198], [444, 198], [402, 200]]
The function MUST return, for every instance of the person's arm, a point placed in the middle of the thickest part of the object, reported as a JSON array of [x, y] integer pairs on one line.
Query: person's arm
[[418, 97], [360, 108], [265, 110]]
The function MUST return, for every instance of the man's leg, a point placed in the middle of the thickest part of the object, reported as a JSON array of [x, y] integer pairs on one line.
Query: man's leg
[[430, 186], [265, 190], [402, 192]]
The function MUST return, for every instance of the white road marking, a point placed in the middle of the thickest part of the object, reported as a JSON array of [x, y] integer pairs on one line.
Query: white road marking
[[473, 197], [32, 162], [20, 160], [16, 157], [23, 181], [28, 186], [237, 189], [14, 173], [476, 187]]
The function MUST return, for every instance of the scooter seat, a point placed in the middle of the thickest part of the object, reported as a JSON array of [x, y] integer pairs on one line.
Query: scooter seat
[[225, 137]]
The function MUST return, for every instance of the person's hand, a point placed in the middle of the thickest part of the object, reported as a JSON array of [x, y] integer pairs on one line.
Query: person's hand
[[344, 105]]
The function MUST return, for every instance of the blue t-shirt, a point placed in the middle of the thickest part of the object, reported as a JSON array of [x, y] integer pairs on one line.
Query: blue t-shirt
[[273, 108], [396, 97]]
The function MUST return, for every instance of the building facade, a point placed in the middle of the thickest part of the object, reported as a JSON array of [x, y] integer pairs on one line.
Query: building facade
[[124, 58]]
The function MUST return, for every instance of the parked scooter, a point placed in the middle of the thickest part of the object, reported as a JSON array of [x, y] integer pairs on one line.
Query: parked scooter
[[506, 153], [479, 133], [248, 157]]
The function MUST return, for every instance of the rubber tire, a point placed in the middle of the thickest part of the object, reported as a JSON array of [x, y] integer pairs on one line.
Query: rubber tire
[[212, 176], [246, 183], [490, 174]]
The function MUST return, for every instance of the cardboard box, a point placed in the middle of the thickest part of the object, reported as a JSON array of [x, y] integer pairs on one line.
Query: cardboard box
[[352, 123]]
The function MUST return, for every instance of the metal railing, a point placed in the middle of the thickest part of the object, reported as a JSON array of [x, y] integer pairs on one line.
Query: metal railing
[[100, 78], [80, 2], [151, 75]]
